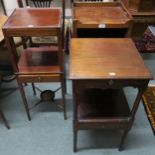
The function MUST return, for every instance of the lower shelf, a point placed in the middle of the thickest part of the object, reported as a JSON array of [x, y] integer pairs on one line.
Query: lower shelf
[[96, 105]]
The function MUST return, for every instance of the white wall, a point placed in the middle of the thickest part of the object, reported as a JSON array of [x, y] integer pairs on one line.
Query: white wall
[[10, 5]]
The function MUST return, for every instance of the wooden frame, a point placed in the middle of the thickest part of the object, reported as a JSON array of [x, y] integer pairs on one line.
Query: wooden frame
[[82, 19], [98, 98], [43, 27]]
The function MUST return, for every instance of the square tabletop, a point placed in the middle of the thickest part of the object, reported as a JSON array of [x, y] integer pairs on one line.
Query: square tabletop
[[34, 18], [106, 58]]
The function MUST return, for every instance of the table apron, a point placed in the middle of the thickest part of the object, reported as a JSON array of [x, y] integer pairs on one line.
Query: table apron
[[109, 84], [107, 25], [33, 32]]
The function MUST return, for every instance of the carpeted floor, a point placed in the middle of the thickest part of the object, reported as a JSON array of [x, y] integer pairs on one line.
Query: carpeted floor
[[149, 104]]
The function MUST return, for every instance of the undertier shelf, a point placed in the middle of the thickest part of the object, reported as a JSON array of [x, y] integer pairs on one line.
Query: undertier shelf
[[101, 105]]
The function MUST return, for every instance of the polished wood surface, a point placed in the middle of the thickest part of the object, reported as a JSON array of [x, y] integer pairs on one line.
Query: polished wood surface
[[100, 15], [3, 18], [37, 41], [32, 18], [37, 64], [43, 60], [42, 4], [95, 15], [105, 61], [32, 22], [99, 70]]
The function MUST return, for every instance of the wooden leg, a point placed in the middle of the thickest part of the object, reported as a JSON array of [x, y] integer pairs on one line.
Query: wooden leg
[[67, 38], [123, 138], [75, 140], [24, 100], [34, 90], [4, 119], [65, 84], [63, 98], [24, 42]]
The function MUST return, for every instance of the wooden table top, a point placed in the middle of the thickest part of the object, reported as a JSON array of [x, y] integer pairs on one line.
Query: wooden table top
[[104, 14], [108, 13], [32, 18], [3, 18], [97, 58]]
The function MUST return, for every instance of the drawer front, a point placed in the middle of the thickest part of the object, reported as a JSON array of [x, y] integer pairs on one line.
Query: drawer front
[[39, 78]]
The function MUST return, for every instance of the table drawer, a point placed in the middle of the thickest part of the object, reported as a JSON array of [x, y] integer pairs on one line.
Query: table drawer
[[39, 78], [106, 84]]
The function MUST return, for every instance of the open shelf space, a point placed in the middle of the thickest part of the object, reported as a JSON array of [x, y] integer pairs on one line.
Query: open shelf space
[[97, 105]]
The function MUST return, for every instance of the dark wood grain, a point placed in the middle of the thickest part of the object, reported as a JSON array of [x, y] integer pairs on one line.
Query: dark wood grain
[[106, 58], [93, 15], [99, 70], [32, 18], [37, 64]]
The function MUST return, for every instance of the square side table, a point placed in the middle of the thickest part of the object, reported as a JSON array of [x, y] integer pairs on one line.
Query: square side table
[[99, 70]]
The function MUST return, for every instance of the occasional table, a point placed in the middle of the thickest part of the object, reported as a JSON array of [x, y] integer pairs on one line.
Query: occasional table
[[99, 70], [29, 22], [101, 19], [36, 64]]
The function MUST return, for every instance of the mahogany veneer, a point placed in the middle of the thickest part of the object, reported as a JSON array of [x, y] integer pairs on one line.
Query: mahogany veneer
[[42, 64], [99, 70], [102, 17]]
